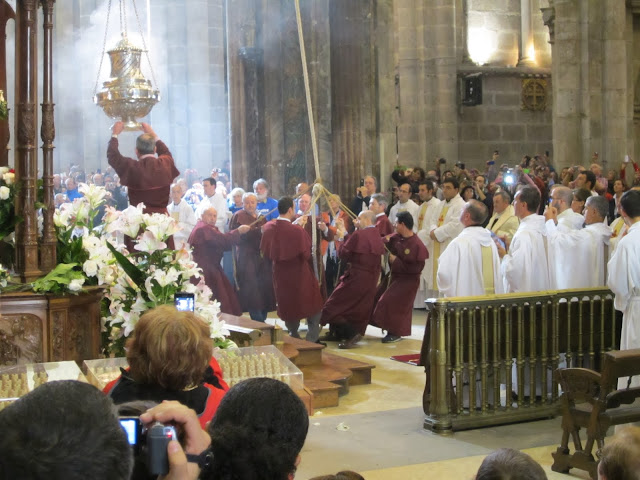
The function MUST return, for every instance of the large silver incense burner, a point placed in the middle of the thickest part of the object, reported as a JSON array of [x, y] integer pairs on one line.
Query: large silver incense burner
[[127, 95]]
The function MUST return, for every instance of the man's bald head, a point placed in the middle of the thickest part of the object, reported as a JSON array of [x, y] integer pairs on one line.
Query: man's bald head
[[561, 198], [474, 213], [210, 216], [366, 218]]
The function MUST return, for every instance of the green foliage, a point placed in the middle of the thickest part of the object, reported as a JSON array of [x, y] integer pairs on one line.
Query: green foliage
[[57, 281]]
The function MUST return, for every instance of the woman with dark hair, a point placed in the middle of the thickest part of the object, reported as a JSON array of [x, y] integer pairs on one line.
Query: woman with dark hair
[[580, 196], [170, 358], [468, 193], [256, 434]]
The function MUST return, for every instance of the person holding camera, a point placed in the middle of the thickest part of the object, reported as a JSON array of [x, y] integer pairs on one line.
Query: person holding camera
[[258, 432], [170, 358], [368, 186]]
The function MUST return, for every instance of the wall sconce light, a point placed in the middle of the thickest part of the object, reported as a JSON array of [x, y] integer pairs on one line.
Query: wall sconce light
[[482, 44]]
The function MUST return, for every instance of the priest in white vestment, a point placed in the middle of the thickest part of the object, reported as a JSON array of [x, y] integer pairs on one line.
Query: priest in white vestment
[[618, 230], [524, 266], [405, 204], [504, 222], [216, 200], [584, 253], [184, 216], [624, 277], [426, 191], [444, 226], [560, 218], [470, 265]]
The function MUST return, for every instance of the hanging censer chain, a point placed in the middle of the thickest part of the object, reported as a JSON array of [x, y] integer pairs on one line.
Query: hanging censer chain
[[104, 48], [144, 44]]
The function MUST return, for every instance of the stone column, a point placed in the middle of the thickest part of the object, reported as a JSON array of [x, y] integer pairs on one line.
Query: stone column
[[26, 154], [47, 134], [526, 35], [566, 74], [253, 111], [616, 120], [444, 58]]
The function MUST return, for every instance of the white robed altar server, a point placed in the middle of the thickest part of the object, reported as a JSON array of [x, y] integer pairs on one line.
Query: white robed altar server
[[624, 277], [405, 204], [584, 253], [561, 220], [524, 268], [426, 191], [470, 265], [444, 226], [183, 214]]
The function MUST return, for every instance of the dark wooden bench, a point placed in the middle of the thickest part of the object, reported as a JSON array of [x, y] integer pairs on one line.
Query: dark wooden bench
[[592, 401]]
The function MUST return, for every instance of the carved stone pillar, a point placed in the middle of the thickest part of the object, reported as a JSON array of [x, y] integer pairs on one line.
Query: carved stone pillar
[[253, 112], [47, 134], [6, 13], [26, 123]]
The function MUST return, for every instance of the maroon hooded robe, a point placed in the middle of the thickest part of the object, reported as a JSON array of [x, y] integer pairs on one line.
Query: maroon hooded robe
[[208, 247], [253, 272], [352, 300], [395, 305], [297, 291], [384, 225]]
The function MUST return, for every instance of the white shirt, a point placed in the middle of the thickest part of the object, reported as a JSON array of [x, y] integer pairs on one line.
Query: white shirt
[[218, 202], [460, 272], [186, 218], [451, 226], [624, 282], [409, 206], [524, 268]]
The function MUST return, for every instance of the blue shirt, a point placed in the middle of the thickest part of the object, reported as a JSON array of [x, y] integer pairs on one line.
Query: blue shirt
[[73, 194], [267, 206]]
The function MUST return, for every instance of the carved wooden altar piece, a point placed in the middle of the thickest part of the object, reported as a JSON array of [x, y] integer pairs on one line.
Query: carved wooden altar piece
[[48, 328], [38, 328]]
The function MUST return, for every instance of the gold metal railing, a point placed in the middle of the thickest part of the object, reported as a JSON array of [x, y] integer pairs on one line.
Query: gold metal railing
[[490, 360]]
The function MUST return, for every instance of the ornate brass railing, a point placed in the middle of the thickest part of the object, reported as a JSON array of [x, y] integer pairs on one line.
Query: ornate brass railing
[[490, 360]]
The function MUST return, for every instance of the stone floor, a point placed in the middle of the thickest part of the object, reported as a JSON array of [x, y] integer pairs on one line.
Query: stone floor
[[377, 429]]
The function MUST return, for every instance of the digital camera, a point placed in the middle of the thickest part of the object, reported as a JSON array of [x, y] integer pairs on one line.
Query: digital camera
[[150, 442]]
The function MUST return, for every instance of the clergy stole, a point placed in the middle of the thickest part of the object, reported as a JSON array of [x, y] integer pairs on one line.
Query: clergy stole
[[487, 271], [421, 214], [436, 246]]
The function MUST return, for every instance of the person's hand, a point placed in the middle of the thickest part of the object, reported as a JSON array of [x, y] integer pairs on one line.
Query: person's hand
[[362, 191], [323, 227], [339, 223], [501, 251], [302, 221], [117, 128], [146, 128], [551, 213], [244, 229], [179, 467], [392, 257], [196, 440], [432, 235]]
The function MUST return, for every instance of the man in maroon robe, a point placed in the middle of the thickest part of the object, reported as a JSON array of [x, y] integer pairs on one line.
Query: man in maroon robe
[[297, 291], [209, 244], [349, 306], [377, 205], [252, 271], [406, 259], [149, 178]]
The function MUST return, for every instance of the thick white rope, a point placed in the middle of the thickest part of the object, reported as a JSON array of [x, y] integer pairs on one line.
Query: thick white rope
[[314, 145]]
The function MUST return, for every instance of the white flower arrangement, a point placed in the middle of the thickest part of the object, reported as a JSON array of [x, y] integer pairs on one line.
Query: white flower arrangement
[[136, 282]]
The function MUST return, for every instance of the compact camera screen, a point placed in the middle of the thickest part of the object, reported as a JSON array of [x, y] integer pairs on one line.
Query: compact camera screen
[[131, 426], [184, 302]]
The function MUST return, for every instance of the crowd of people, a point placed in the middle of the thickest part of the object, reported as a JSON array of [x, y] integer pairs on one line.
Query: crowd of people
[[441, 232]]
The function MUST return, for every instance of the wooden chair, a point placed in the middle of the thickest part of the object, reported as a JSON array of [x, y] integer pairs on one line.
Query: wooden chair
[[592, 401]]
